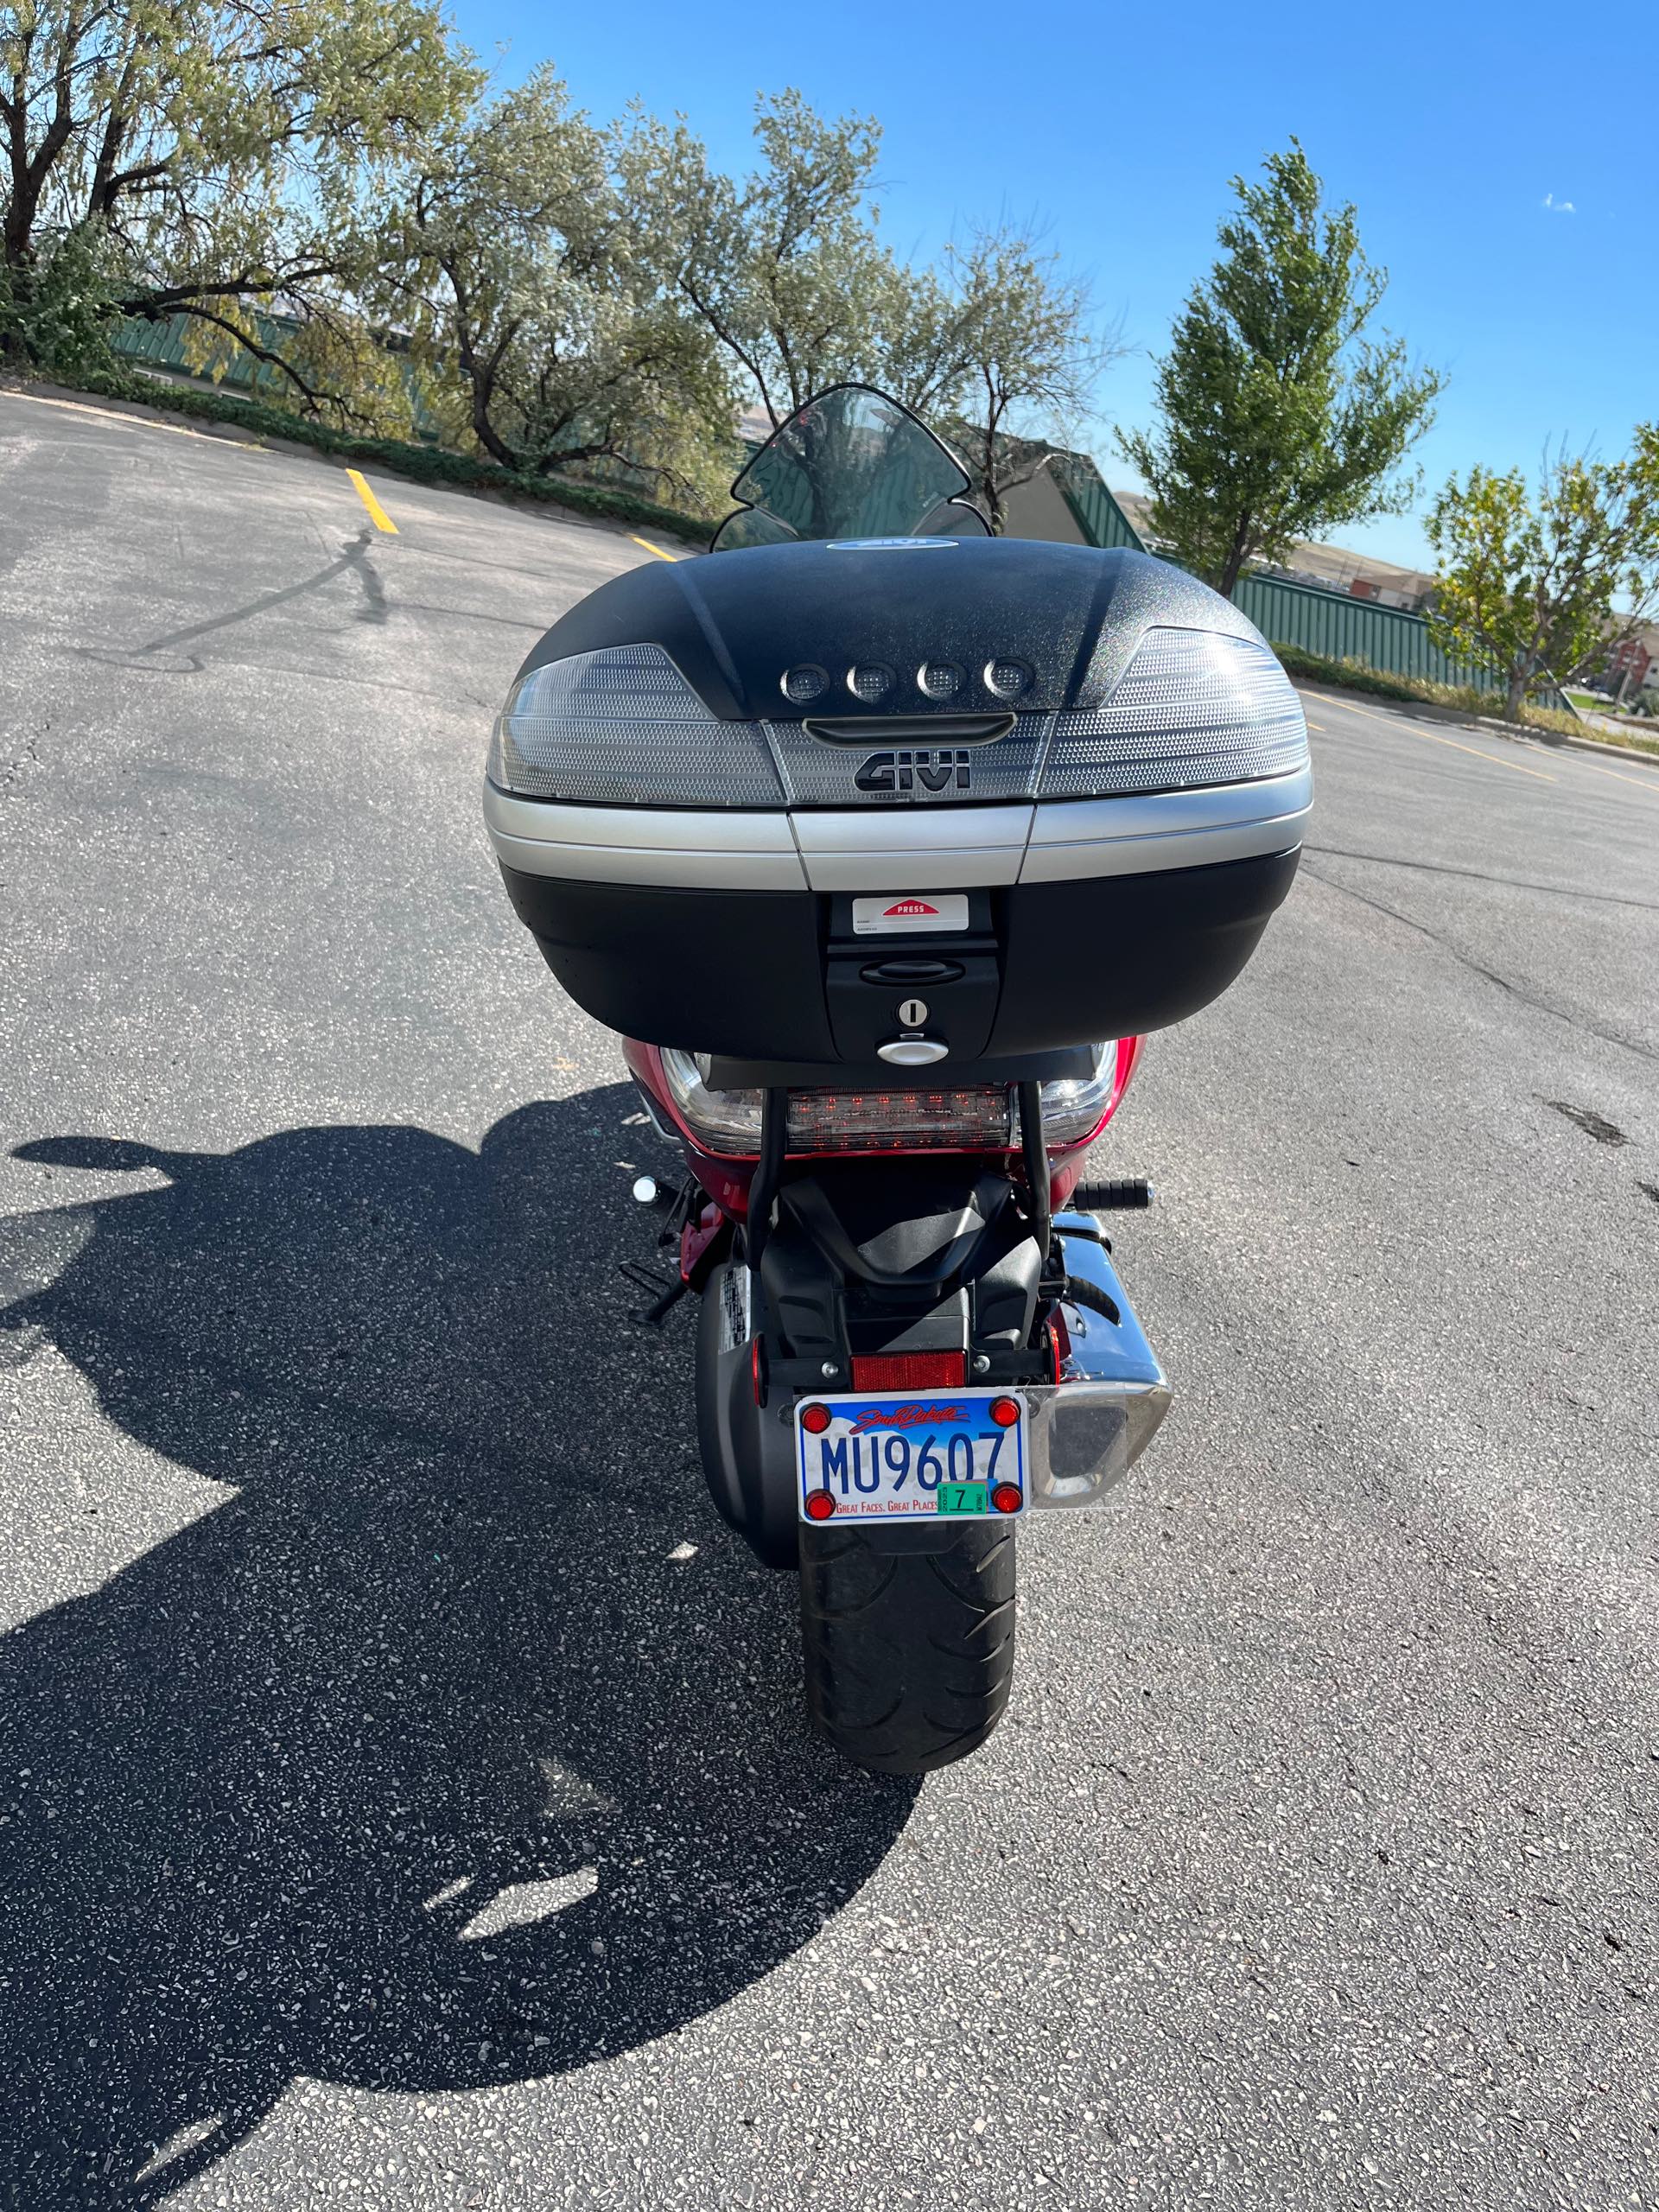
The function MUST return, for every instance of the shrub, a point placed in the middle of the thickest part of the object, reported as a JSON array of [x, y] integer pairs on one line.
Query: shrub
[[1358, 676], [56, 311]]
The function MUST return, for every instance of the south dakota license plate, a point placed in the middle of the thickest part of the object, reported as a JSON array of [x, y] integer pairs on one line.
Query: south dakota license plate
[[883, 1455]]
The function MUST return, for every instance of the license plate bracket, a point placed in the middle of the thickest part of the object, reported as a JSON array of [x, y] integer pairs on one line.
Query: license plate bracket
[[904, 1456]]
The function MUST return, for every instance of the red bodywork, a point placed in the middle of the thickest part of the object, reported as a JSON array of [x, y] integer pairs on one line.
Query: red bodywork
[[725, 1176]]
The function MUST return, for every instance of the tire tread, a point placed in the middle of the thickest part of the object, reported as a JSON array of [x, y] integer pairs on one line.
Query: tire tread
[[909, 1655]]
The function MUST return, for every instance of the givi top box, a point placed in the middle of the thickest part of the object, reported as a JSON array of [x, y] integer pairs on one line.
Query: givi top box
[[914, 800]]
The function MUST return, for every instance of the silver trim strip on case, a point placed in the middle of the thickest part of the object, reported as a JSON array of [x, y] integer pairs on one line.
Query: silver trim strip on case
[[900, 848], [1078, 838], [912, 847], [725, 849]]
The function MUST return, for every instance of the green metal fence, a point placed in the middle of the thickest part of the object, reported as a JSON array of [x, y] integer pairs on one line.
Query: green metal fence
[[1100, 518], [1329, 623], [1338, 627], [161, 344]]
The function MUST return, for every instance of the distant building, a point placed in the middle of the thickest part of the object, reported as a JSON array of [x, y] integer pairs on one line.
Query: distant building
[[1328, 567], [1633, 665]]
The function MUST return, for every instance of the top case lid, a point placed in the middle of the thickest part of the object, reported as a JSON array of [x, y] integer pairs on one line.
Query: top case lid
[[920, 626]]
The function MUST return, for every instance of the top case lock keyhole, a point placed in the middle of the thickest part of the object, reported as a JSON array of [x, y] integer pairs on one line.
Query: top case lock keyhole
[[912, 1012]]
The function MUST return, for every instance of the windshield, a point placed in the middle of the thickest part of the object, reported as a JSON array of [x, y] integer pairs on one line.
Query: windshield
[[851, 463]]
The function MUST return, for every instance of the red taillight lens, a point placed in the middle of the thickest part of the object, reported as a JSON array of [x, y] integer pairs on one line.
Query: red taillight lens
[[970, 1120], [1005, 1412], [1005, 1498], [814, 1419], [819, 1505], [911, 1370]]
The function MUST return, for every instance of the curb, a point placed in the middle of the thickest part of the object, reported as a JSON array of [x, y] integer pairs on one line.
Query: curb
[[1424, 711], [241, 434], [1568, 744]]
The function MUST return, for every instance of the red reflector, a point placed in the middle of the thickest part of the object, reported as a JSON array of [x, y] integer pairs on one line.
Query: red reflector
[[911, 1370], [814, 1419], [1005, 1498], [820, 1505], [1005, 1412]]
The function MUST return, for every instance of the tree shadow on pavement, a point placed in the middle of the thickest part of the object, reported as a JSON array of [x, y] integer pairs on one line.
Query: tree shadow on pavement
[[277, 1797]]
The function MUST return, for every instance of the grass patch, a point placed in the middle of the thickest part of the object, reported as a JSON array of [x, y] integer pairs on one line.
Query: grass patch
[[1357, 676], [1632, 741], [420, 464]]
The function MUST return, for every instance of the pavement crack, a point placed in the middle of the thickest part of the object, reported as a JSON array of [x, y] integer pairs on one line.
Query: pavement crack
[[1481, 875], [1487, 975]]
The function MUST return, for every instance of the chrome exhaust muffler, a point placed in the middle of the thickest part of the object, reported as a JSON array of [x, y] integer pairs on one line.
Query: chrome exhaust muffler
[[1088, 1429]]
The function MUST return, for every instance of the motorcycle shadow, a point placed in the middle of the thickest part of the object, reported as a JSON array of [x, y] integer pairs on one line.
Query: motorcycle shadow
[[426, 1757]]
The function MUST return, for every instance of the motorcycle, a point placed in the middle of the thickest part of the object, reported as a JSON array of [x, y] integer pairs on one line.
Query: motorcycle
[[863, 832]]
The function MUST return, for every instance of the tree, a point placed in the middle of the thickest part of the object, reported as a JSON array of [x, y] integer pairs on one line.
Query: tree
[[1532, 584], [1018, 354], [202, 154], [1281, 419], [523, 266], [786, 271]]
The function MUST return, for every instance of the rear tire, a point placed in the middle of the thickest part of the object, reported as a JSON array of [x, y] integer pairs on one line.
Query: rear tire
[[909, 1653]]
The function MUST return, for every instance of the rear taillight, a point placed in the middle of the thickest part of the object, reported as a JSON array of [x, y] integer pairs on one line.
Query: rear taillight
[[977, 1117], [976, 1120]]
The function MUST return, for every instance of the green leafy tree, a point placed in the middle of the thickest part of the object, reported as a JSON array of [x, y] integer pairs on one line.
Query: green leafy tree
[[1281, 419], [1019, 357], [203, 153], [529, 276], [786, 271], [59, 310], [1532, 582]]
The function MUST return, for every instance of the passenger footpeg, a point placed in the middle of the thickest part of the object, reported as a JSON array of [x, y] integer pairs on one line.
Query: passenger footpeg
[[1133, 1195]]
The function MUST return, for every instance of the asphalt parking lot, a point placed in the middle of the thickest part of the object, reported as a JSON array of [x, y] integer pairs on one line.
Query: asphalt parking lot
[[404, 1796]]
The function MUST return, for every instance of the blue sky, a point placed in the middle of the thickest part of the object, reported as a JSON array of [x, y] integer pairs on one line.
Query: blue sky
[[1450, 127]]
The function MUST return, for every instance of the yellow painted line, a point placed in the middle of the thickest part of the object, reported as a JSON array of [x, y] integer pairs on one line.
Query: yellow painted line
[[1409, 729], [1649, 784], [657, 550], [378, 514]]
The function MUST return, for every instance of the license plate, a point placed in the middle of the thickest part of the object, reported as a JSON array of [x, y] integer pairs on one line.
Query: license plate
[[887, 1455]]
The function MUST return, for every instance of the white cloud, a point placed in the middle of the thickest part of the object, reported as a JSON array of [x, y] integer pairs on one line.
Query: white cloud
[[1559, 206]]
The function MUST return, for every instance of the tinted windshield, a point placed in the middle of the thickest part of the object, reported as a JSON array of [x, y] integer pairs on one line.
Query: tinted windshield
[[851, 463]]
